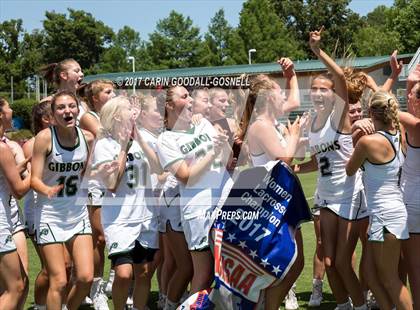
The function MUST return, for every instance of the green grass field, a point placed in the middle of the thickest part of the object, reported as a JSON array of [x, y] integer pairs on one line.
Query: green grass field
[[304, 283]]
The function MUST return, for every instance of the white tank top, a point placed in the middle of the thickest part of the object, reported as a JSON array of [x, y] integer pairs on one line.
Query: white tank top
[[332, 150], [262, 159], [64, 165], [382, 180], [130, 202], [410, 177]]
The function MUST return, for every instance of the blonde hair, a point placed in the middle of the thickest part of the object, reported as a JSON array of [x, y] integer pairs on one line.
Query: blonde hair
[[383, 107], [94, 88], [111, 109]]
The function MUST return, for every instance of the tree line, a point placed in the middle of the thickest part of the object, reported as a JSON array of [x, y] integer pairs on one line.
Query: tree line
[[274, 27]]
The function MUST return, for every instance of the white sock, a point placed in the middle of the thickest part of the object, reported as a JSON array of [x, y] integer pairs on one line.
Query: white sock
[[317, 281], [95, 286], [64, 307], [111, 275], [362, 307], [170, 305], [40, 307]]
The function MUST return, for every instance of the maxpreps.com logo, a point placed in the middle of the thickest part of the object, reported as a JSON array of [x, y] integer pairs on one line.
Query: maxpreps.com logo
[[230, 215]]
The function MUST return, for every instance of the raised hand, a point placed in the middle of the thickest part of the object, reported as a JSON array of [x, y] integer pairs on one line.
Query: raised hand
[[365, 125], [315, 38], [396, 66], [287, 67]]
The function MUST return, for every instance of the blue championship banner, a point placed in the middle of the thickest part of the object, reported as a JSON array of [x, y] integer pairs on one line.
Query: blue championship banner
[[252, 255]]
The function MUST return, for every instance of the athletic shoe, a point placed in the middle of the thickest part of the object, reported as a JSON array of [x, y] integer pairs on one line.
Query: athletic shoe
[[108, 285], [347, 306], [87, 301], [371, 301], [100, 301], [316, 296], [290, 302], [129, 302]]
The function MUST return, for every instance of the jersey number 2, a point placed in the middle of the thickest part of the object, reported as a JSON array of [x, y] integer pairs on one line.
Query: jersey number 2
[[325, 166]]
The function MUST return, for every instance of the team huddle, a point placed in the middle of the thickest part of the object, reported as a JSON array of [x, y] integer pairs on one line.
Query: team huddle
[[137, 177]]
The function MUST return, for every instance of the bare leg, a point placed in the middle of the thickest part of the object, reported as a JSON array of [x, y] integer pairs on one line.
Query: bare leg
[[121, 285], [387, 256], [81, 249], [411, 249], [329, 231]]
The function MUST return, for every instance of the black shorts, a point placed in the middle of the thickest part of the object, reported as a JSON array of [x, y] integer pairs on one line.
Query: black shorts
[[136, 255]]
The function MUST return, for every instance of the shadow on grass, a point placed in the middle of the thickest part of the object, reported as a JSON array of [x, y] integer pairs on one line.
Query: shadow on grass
[[328, 301]]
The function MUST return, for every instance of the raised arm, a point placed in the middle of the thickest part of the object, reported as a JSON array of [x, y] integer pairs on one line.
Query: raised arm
[[412, 79], [292, 87], [410, 123], [267, 138], [338, 76], [396, 68]]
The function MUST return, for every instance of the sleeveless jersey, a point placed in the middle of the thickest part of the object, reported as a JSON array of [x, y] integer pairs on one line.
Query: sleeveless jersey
[[64, 165], [410, 178], [383, 192], [129, 203], [332, 150], [191, 146]]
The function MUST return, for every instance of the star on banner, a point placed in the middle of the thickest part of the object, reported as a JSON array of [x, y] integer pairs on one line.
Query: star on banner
[[276, 269], [242, 244], [231, 237], [265, 262], [253, 254]]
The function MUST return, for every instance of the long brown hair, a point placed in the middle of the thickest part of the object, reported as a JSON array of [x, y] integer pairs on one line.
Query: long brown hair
[[51, 72], [261, 87]]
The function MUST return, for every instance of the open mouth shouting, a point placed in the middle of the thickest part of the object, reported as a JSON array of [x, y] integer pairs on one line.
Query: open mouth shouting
[[68, 119]]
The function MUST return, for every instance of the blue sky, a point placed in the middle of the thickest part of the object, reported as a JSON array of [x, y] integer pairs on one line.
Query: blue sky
[[141, 15]]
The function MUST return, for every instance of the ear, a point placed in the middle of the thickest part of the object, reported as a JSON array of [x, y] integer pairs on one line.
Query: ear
[[46, 119], [63, 75]]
